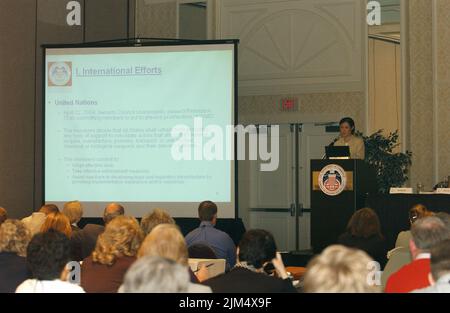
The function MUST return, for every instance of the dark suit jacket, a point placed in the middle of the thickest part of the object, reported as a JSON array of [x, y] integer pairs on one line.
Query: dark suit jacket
[[84, 241], [13, 271], [242, 280], [373, 246]]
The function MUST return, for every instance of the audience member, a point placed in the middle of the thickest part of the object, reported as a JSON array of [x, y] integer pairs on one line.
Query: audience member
[[158, 216], [114, 253], [36, 219], [256, 250], [14, 239], [166, 241], [86, 239], [3, 215], [426, 233], [153, 274], [59, 222], [47, 256], [74, 211], [201, 251], [218, 240], [440, 269], [364, 233], [339, 269], [400, 255], [415, 213]]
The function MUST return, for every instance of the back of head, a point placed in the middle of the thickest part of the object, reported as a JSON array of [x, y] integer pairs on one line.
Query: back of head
[[207, 210], [156, 274], [417, 212], [427, 232], [74, 211], [364, 223], [158, 216], [111, 211], [444, 217], [257, 247], [165, 241], [14, 237], [47, 255], [48, 208], [3, 215], [122, 237], [440, 259], [339, 269], [59, 222], [201, 251]]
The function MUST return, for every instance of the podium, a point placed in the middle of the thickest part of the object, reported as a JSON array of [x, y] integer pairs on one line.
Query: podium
[[338, 189]]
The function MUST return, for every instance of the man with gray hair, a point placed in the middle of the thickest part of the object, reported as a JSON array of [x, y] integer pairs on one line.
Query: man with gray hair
[[440, 269], [84, 241], [426, 233], [155, 274]]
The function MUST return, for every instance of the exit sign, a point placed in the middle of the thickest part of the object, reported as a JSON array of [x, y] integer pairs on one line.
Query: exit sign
[[289, 105]]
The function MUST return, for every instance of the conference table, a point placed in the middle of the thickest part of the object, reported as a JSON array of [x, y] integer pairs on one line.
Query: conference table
[[393, 210]]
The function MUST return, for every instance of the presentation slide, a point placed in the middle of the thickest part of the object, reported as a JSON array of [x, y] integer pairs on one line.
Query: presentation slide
[[143, 126]]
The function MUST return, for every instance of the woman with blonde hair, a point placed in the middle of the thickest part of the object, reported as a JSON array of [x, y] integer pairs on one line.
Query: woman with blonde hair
[[114, 253], [14, 239], [166, 240]]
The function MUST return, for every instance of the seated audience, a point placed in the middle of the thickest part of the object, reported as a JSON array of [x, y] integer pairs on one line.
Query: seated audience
[[114, 253], [3, 215], [444, 217], [59, 222], [426, 233], [153, 274], [47, 256], [218, 240], [440, 269], [166, 241], [86, 239], [339, 269], [158, 216], [416, 212], [256, 250], [400, 255], [364, 233], [14, 238], [201, 251], [36, 219], [74, 211]]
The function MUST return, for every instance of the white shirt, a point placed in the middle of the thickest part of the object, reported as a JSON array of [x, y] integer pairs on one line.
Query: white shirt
[[34, 222], [441, 286], [48, 286]]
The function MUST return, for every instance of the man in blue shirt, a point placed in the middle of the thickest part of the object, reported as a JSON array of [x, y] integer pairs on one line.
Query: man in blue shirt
[[206, 233]]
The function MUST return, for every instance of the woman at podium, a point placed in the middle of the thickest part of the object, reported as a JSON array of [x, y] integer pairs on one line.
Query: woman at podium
[[347, 138]]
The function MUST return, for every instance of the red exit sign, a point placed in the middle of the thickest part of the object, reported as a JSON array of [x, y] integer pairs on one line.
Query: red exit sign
[[289, 104]]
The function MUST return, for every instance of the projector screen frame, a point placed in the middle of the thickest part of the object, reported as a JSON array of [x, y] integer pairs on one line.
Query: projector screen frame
[[141, 42]]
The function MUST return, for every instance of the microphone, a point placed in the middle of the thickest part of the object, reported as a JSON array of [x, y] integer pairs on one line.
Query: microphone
[[330, 145], [333, 142]]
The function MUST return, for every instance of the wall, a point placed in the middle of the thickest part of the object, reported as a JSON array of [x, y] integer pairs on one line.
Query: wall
[[429, 77], [442, 83], [25, 25], [420, 108], [17, 85]]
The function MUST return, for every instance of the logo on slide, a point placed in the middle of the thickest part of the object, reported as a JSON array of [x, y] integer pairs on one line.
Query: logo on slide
[[332, 180], [59, 74]]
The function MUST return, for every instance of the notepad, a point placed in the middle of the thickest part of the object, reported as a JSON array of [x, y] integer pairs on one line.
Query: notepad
[[215, 266]]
